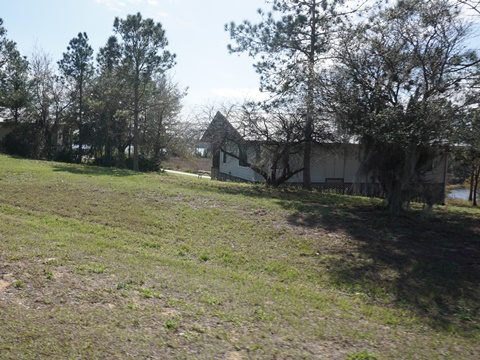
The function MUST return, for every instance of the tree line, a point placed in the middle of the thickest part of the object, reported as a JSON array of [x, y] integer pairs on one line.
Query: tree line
[[98, 108]]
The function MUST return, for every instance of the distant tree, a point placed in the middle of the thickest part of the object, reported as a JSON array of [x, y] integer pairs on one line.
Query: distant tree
[[5, 43], [184, 140], [77, 66], [467, 152], [110, 106], [143, 54], [160, 122], [292, 42], [44, 99], [14, 84], [401, 81], [277, 138]]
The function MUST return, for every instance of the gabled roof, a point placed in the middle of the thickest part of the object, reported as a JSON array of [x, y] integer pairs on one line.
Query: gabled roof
[[220, 130]]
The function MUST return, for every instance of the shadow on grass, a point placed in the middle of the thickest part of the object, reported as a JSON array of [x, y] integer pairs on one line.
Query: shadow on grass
[[430, 266], [296, 197], [93, 170]]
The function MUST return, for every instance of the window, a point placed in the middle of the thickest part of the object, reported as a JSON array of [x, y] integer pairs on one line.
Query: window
[[242, 161]]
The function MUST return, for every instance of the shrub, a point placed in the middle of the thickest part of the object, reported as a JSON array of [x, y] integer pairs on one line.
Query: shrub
[[144, 164], [25, 140], [65, 155]]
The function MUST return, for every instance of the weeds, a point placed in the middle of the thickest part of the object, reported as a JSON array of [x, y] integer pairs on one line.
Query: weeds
[[172, 324], [363, 355]]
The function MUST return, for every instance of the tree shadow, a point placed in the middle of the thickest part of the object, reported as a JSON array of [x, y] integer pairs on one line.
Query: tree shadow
[[93, 170], [430, 266]]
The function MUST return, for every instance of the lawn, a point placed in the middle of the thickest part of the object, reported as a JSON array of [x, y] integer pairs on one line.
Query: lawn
[[112, 264]]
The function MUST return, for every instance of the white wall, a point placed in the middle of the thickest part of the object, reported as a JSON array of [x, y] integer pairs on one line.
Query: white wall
[[339, 163], [327, 162], [231, 167]]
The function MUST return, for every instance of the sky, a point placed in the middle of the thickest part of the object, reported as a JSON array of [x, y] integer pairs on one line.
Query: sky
[[194, 29]]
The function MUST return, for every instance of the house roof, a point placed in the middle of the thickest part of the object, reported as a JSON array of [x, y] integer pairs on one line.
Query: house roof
[[219, 130]]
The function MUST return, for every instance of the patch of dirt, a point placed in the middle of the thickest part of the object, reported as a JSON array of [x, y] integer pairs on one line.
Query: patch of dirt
[[4, 284], [170, 312], [234, 355]]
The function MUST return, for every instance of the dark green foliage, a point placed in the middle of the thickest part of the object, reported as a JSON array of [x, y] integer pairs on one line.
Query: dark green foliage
[[14, 83], [144, 164], [467, 155], [25, 140], [77, 66], [142, 55], [105, 160], [400, 84], [65, 155], [79, 113]]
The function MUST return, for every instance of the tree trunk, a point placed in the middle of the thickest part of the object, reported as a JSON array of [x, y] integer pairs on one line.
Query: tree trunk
[[136, 112], [121, 157], [307, 155], [396, 192], [470, 195], [135, 137], [475, 197], [80, 121], [475, 185], [395, 198]]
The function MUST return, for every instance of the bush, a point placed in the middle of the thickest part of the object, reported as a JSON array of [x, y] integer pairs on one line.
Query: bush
[[25, 140], [105, 161], [66, 156], [144, 164]]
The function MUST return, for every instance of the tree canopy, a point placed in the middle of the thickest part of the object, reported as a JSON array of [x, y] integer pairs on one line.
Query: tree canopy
[[142, 55], [291, 43], [402, 80], [97, 110]]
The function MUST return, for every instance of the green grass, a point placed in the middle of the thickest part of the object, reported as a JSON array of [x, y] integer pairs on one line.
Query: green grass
[[105, 263]]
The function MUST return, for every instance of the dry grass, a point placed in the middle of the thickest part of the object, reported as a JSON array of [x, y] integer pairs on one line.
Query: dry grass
[[193, 164]]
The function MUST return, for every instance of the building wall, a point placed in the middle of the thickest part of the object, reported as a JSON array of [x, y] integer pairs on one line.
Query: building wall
[[231, 166], [328, 163]]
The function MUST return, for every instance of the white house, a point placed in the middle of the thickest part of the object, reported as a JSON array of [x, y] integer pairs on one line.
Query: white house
[[334, 167]]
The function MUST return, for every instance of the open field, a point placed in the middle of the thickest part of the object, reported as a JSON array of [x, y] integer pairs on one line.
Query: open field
[[110, 264]]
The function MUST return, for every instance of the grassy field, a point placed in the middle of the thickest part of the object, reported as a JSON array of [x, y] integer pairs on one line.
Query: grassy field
[[110, 264]]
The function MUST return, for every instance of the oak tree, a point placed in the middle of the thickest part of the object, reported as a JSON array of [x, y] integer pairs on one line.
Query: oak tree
[[401, 80]]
